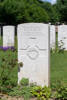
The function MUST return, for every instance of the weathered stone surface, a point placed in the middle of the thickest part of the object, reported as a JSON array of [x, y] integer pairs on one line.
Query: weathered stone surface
[[62, 36], [52, 37], [8, 35], [33, 51]]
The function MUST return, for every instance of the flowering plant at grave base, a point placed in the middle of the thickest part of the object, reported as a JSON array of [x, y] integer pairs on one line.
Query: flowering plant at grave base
[[7, 48], [60, 47]]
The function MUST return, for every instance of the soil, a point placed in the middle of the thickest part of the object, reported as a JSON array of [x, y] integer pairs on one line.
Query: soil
[[6, 97]]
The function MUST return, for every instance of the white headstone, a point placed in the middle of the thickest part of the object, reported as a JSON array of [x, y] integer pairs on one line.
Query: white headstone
[[52, 37], [8, 35], [33, 51], [62, 36]]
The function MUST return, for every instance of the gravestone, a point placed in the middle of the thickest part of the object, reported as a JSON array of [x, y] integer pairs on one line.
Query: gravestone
[[8, 35], [33, 52], [62, 37], [52, 37]]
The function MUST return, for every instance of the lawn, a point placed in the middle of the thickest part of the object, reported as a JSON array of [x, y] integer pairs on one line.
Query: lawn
[[58, 65]]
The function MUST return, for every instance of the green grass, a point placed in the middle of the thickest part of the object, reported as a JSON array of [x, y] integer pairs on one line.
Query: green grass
[[1, 41], [58, 68]]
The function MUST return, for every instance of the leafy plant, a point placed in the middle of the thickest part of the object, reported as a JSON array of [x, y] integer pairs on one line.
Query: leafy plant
[[26, 91], [60, 47], [24, 82], [20, 64], [8, 63], [41, 93], [60, 91], [21, 91], [16, 91]]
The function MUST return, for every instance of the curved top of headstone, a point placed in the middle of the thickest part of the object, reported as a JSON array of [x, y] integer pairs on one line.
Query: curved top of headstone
[[31, 24], [33, 28], [63, 28], [8, 26], [37, 32]]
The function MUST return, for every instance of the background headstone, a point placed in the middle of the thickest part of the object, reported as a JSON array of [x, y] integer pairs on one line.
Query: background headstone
[[52, 37], [8, 35], [62, 36], [33, 52]]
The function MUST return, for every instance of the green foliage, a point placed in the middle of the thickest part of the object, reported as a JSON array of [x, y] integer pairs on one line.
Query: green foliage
[[60, 91], [24, 11], [28, 91], [16, 91], [41, 93], [24, 82], [8, 65], [62, 9], [51, 11], [38, 14], [21, 91]]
